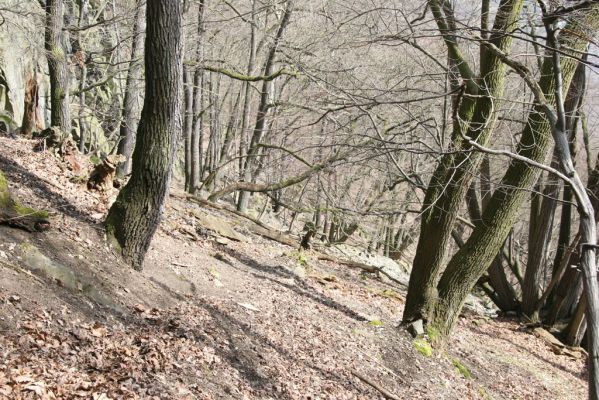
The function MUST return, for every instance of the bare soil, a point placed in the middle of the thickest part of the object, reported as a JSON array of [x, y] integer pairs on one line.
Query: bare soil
[[215, 318]]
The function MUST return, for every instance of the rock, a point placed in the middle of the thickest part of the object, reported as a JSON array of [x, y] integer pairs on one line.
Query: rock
[[217, 225], [287, 281], [222, 240], [298, 270], [416, 328]]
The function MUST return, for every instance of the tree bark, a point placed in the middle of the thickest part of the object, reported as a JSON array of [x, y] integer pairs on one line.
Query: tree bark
[[250, 161], [468, 264], [130, 113], [197, 130], [135, 215], [452, 178], [188, 123], [60, 115], [31, 116], [539, 239]]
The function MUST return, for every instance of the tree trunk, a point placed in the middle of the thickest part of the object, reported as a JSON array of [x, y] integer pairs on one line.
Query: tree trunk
[[452, 178], [469, 263], [31, 117], [188, 124], [136, 213], [60, 115], [245, 116], [250, 161], [504, 294], [197, 130], [133, 91], [539, 238]]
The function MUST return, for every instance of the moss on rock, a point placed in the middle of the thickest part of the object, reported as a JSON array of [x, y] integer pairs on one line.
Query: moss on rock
[[423, 347], [15, 214]]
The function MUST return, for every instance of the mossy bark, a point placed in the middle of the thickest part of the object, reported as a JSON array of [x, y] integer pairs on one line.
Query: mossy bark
[[473, 259], [447, 188], [136, 213], [14, 214]]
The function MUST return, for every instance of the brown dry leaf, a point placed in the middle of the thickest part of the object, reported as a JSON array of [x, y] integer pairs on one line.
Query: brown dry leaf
[[98, 330], [38, 388], [23, 379], [14, 298], [139, 308], [100, 396]]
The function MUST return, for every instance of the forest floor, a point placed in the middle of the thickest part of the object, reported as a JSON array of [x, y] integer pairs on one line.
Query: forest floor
[[212, 317]]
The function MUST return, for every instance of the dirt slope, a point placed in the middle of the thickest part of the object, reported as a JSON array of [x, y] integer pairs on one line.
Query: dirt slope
[[216, 318]]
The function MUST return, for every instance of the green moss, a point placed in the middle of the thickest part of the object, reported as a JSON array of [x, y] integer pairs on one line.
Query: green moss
[[483, 393], [95, 160], [26, 246], [359, 332], [423, 347], [57, 53], [390, 294], [433, 334], [79, 179], [299, 256], [8, 204], [4, 193], [29, 212], [111, 229], [376, 322], [460, 368], [215, 274]]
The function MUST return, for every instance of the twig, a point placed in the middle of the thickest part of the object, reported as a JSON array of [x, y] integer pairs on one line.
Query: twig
[[375, 385], [181, 265]]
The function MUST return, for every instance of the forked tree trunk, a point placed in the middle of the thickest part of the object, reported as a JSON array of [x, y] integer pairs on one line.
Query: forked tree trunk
[[134, 216], [452, 177], [472, 260]]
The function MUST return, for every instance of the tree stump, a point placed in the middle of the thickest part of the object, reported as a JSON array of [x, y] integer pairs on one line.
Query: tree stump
[[102, 177]]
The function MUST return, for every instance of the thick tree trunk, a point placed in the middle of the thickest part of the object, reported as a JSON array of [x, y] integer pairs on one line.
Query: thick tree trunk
[[469, 263], [133, 93], [134, 217], [504, 295], [60, 115], [452, 178]]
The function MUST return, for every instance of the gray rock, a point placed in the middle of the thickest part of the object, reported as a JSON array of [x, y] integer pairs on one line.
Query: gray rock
[[416, 328]]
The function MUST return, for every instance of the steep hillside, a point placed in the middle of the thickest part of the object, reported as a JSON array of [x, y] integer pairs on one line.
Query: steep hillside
[[221, 312]]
